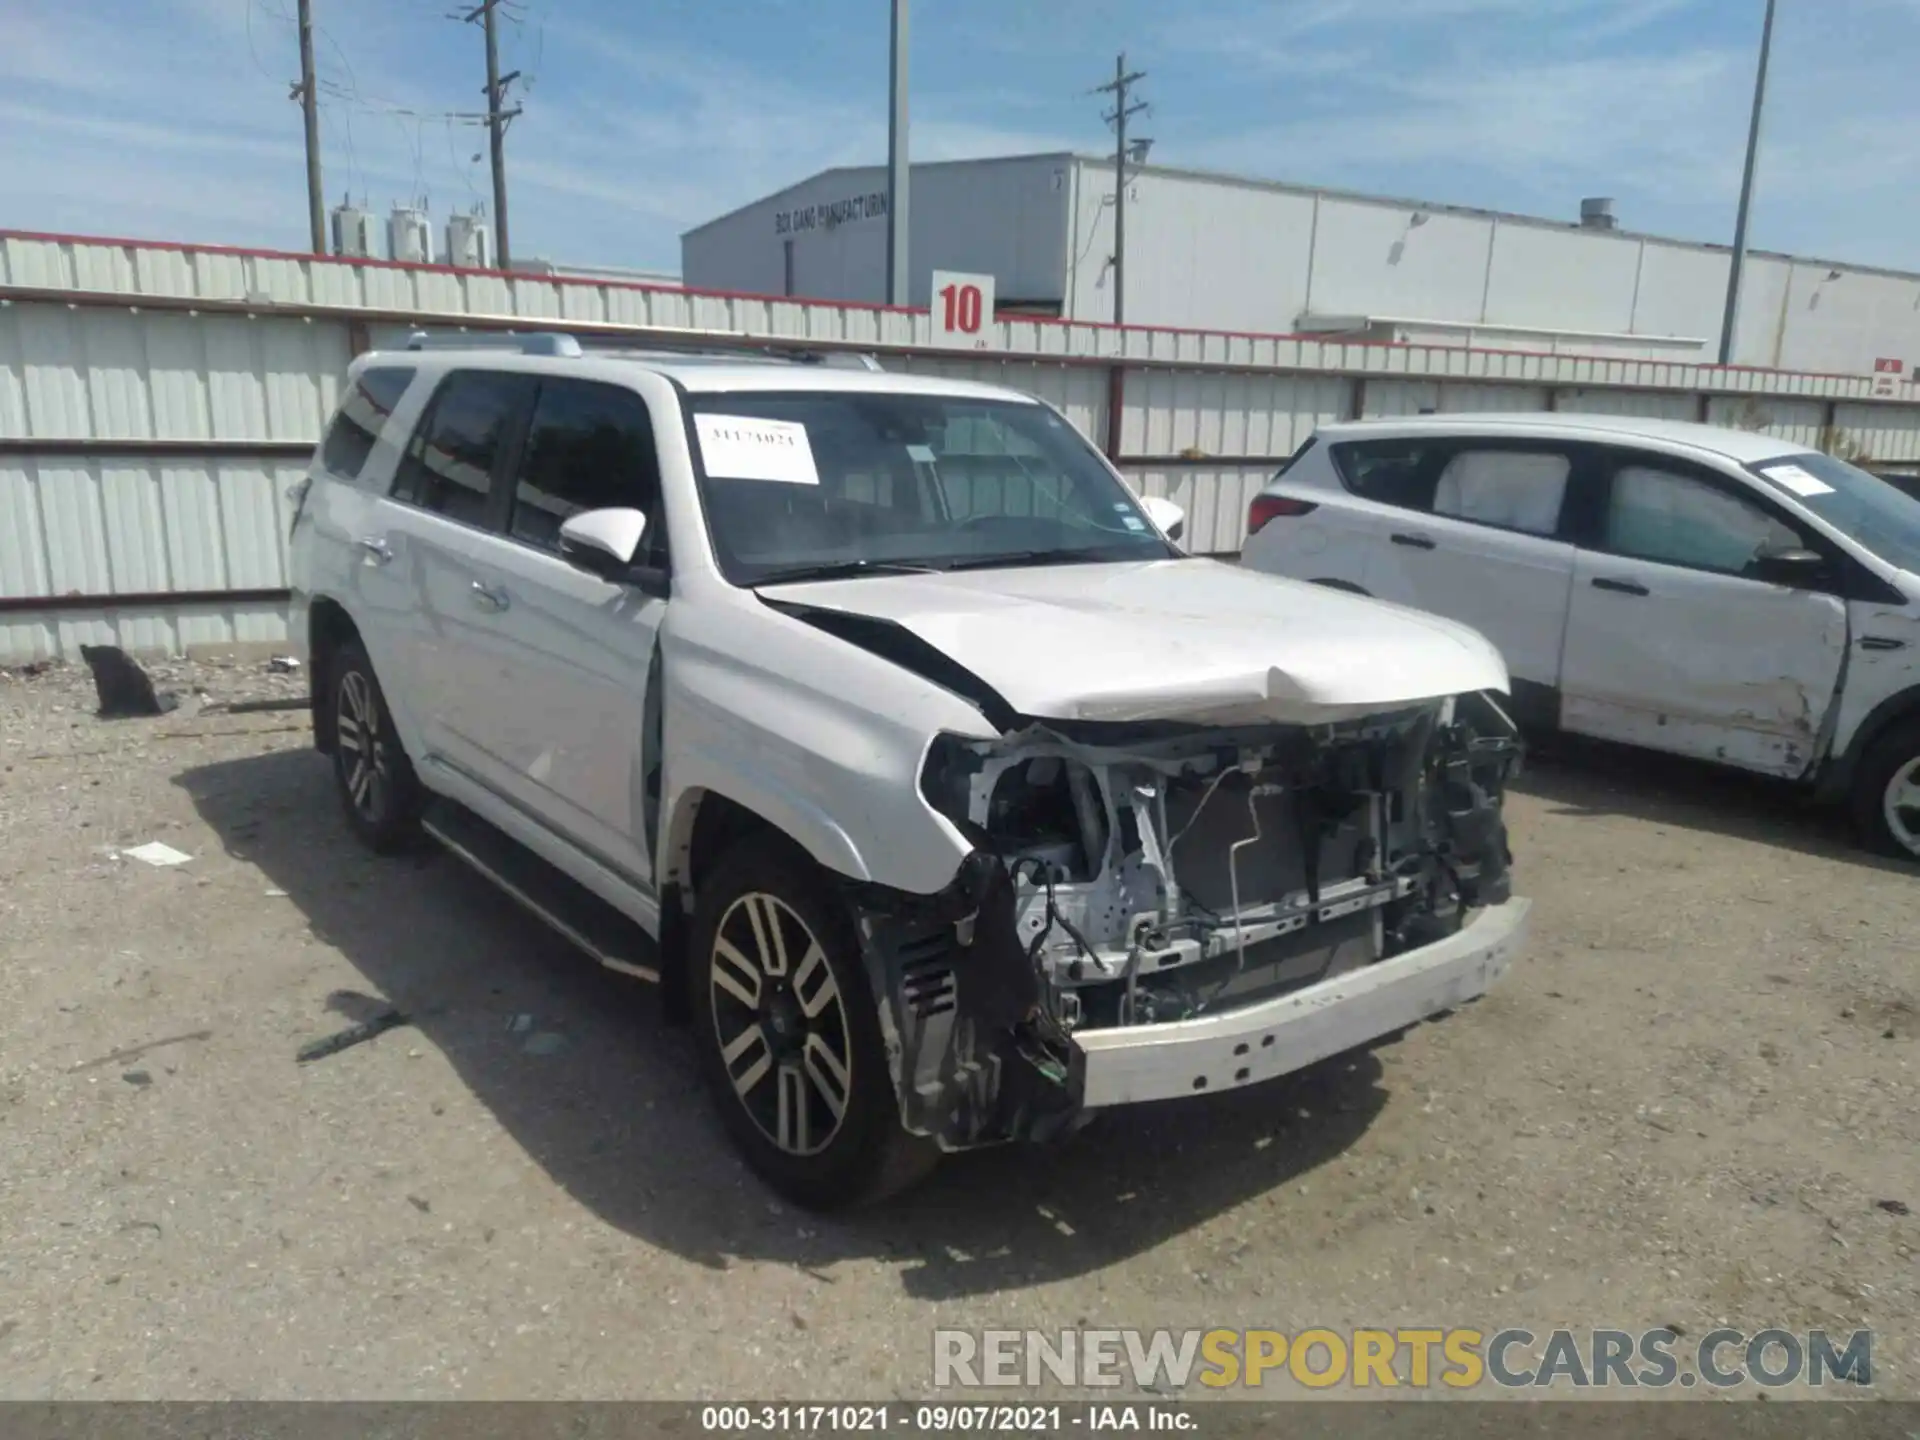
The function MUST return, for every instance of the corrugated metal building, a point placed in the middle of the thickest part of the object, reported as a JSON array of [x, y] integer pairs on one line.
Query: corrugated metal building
[[1220, 252]]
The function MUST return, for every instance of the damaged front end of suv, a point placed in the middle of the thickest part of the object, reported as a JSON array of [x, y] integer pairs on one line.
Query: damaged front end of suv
[[1156, 908]]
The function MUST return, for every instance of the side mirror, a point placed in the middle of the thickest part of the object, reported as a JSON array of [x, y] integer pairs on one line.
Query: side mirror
[[603, 542], [1796, 566], [1168, 518]]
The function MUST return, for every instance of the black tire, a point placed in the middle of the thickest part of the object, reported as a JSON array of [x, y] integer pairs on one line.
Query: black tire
[[778, 1050], [1893, 759], [378, 789]]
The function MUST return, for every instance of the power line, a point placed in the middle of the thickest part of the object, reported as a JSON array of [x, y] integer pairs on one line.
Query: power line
[[1123, 110]]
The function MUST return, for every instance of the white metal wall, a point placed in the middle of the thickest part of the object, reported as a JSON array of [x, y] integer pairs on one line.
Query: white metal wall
[[145, 524], [140, 527], [106, 348]]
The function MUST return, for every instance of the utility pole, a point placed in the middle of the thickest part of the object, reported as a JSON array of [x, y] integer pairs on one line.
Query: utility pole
[[498, 118], [898, 181], [308, 96], [1746, 193], [1123, 81]]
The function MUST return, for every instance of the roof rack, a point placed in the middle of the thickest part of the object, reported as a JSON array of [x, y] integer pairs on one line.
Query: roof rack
[[539, 342], [559, 344]]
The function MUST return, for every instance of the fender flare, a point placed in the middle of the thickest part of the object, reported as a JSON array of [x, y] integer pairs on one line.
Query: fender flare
[[1836, 776]]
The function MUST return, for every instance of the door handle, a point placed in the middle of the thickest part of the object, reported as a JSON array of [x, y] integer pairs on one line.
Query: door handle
[[376, 549], [1621, 587], [490, 597], [1881, 642], [1418, 542]]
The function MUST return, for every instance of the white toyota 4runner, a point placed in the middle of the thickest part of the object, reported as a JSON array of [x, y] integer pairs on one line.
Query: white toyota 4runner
[[879, 720]]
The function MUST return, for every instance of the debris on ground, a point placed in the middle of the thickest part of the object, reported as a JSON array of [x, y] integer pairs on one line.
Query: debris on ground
[[134, 1052], [254, 707], [139, 1079], [123, 688], [353, 1035], [283, 664], [156, 852], [1894, 1207]]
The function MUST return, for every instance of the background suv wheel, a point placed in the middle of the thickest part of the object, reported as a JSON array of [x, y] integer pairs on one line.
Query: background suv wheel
[[788, 1034], [1886, 795], [376, 782]]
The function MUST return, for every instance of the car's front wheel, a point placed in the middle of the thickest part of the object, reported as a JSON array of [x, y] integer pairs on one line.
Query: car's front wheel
[[1886, 797], [376, 783], [789, 1035]]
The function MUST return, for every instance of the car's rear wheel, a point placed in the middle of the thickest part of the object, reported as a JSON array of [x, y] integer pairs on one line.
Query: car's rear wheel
[[376, 783], [1886, 795], [789, 1035]]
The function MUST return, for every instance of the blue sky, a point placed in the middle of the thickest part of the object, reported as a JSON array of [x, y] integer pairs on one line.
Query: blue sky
[[170, 118]]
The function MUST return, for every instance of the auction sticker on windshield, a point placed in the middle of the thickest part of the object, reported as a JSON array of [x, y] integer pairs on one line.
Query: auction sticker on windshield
[[740, 447], [1797, 480]]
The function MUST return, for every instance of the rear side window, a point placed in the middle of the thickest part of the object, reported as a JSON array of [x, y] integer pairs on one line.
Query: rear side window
[[450, 461], [1390, 472], [361, 417], [1513, 489], [588, 447]]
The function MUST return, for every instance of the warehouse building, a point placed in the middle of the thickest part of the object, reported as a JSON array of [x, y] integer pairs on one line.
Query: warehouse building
[[1220, 252]]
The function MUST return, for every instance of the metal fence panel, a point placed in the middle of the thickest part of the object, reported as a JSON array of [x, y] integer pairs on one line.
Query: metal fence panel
[[108, 347]]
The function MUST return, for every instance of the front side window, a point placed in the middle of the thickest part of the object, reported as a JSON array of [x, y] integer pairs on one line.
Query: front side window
[[1513, 489], [363, 414], [798, 484], [1856, 502], [1678, 520], [589, 447], [449, 463]]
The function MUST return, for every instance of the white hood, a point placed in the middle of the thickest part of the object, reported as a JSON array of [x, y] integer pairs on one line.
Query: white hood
[[1191, 640]]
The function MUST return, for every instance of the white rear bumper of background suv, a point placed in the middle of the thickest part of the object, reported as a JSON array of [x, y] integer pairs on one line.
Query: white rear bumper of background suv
[[1128, 1065]]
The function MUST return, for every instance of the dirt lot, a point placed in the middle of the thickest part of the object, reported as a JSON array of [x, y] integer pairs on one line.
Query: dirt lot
[[1684, 1107]]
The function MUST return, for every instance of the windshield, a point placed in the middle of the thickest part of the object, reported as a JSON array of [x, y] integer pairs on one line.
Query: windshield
[[1860, 505], [799, 486]]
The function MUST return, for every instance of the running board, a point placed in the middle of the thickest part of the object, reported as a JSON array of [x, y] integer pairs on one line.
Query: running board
[[544, 891]]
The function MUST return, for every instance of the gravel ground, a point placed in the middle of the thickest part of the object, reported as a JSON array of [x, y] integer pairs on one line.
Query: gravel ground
[[1693, 1103]]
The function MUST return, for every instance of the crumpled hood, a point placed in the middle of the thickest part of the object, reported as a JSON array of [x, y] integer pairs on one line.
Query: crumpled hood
[[1192, 640]]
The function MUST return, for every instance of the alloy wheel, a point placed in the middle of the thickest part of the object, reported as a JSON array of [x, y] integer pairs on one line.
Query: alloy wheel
[[1901, 805], [363, 750], [781, 1024]]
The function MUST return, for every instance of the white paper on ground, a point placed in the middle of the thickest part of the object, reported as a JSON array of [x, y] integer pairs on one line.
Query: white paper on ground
[[154, 853], [740, 447], [1799, 481]]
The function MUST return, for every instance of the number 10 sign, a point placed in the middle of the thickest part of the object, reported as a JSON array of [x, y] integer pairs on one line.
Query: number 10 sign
[[963, 310]]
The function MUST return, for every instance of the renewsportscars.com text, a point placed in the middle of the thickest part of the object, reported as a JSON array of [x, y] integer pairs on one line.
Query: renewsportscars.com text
[[1458, 1358]]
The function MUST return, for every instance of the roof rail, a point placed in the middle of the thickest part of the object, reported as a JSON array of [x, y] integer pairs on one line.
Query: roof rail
[[558, 343], [538, 342]]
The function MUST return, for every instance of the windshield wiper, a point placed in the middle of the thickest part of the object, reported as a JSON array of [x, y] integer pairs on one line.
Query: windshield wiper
[[844, 570], [1065, 555]]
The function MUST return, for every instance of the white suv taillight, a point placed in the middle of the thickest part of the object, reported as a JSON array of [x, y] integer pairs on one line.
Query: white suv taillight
[[1275, 507]]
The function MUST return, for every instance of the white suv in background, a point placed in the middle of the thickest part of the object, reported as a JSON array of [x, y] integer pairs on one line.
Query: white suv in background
[[878, 719], [1714, 593]]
